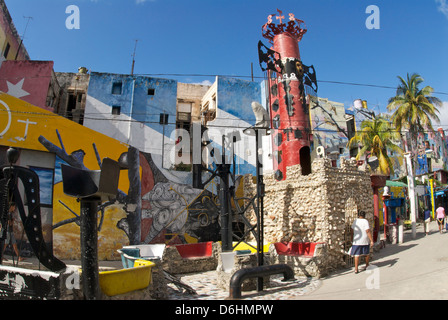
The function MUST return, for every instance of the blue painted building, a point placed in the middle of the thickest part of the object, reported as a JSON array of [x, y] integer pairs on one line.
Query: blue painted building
[[130, 108], [227, 110], [136, 110]]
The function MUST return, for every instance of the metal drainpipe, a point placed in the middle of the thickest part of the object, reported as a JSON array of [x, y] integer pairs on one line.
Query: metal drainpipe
[[260, 213], [131, 111]]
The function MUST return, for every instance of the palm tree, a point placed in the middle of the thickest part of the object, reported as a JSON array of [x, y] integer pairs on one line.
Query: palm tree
[[414, 108], [377, 137]]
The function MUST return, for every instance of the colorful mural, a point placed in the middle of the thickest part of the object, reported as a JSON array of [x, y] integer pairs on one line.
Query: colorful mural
[[129, 108], [233, 99], [429, 151], [396, 193], [234, 113], [149, 207], [329, 127]]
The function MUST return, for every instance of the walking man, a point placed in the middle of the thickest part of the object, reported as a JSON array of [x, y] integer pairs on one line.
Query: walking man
[[362, 240], [427, 218]]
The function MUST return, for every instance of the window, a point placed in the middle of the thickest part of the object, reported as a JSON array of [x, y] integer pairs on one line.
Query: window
[[117, 87], [5, 53], [45, 185], [71, 105], [151, 92], [116, 110], [163, 118], [184, 107]]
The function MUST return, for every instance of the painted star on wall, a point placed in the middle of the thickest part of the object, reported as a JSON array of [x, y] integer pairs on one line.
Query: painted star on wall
[[16, 90]]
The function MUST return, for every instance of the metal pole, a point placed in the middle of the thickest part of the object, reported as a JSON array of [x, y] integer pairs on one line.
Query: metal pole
[[89, 248], [260, 193], [431, 182], [385, 216], [133, 58], [226, 220], [163, 136], [23, 36], [411, 187]]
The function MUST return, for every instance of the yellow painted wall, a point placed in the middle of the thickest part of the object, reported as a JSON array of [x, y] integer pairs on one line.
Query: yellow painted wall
[[21, 124]]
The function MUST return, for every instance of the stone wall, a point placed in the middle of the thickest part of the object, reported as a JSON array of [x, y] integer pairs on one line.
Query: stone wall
[[303, 266], [174, 263], [318, 207]]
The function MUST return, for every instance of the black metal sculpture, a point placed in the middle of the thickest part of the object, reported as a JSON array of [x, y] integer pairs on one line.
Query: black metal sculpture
[[10, 175], [90, 188]]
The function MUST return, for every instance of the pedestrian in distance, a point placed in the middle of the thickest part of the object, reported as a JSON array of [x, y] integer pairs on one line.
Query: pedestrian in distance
[[10, 239], [362, 240], [440, 217], [427, 220]]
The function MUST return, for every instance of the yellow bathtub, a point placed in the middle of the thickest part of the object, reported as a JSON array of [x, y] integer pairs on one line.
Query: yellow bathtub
[[245, 246], [121, 281]]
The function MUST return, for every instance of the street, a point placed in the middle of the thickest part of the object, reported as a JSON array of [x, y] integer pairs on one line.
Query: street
[[415, 269]]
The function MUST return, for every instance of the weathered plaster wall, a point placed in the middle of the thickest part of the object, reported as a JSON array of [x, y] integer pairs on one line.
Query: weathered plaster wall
[[31, 81], [138, 122], [234, 113], [328, 123], [192, 93], [9, 35]]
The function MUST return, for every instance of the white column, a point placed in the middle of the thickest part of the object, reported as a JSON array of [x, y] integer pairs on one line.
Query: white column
[[411, 188]]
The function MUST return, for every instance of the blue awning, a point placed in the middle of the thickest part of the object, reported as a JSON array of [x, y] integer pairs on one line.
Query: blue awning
[[437, 193]]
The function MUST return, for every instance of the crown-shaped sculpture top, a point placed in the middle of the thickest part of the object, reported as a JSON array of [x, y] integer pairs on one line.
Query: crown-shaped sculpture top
[[293, 27]]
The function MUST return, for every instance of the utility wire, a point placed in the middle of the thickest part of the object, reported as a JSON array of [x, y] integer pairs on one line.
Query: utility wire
[[239, 76], [259, 77], [209, 126]]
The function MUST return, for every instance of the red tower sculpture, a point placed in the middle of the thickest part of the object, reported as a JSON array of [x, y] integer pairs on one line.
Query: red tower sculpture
[[288, 106]]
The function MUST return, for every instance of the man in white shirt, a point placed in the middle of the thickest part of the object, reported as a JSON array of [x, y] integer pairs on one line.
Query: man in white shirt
[[361, 239]]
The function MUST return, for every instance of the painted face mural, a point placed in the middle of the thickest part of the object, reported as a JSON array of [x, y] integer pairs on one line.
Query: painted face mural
[[180, 210]]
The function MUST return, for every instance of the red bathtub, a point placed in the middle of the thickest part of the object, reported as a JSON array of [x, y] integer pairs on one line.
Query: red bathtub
[[306, 249], [195, 250]]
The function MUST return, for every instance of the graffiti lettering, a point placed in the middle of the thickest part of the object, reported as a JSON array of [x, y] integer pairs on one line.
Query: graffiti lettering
[[9, 118], [27, 123]]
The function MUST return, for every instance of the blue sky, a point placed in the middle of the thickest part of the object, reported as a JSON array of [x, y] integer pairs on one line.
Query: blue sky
[[219, 37]]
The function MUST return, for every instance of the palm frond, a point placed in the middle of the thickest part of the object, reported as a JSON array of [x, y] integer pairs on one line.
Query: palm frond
[[414, 108]]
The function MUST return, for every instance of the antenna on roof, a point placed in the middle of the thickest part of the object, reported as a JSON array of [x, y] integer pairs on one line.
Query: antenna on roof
[[133, 58], [23, 36]]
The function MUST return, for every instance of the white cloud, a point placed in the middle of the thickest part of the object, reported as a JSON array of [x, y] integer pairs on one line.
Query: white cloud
[[205, 83], [443, 7], [443, 116]]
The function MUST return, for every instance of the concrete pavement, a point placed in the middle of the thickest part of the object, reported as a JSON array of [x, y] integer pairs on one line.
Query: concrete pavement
[[415, 269]]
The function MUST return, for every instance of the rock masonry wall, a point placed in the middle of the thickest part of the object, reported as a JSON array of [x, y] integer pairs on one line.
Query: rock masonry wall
[[318, 207]]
